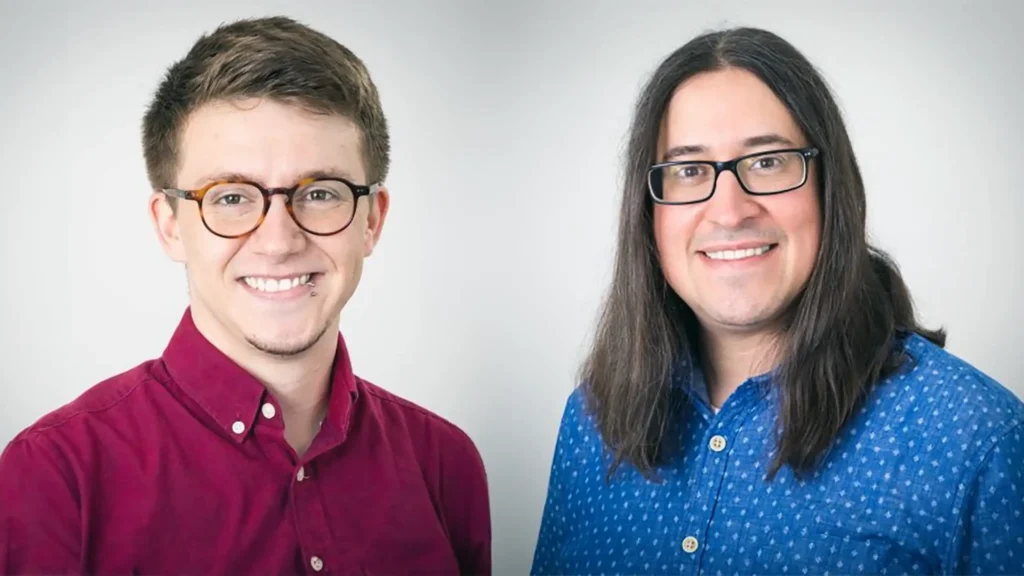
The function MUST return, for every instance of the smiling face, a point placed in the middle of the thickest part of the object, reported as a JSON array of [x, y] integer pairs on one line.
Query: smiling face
[[737, 260], [249, 293]]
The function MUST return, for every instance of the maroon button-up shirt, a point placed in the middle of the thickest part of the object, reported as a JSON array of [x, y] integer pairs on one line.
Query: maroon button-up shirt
[[180, 466]]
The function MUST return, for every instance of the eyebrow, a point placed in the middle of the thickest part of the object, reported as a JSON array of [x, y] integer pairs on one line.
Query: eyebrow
[[752, 142], [330, 173]]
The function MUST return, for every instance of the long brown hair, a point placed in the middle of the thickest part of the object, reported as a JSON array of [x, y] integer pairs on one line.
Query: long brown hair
[[839, 332]]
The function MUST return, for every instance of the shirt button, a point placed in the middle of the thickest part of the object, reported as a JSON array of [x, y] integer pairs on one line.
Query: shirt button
[[268, 411], [718, 443], [302, 474], [238, 427], [316, 563], [689, 544]]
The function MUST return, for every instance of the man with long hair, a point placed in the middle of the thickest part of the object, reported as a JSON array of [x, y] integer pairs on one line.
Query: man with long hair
[[251, 446], [759, 397]]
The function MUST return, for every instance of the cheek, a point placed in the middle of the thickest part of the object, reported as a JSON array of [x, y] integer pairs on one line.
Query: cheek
[[801, 221], [344, 251], [673, 230], [207, 255]]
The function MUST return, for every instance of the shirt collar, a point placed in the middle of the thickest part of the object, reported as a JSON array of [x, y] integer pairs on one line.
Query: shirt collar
[[230, 395], [688, 377]]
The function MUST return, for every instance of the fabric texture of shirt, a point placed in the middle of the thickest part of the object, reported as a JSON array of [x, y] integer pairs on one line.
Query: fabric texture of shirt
[[180, 466], [927, 477]]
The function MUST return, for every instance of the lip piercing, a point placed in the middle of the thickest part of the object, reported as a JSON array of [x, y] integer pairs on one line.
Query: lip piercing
[[311, 285]]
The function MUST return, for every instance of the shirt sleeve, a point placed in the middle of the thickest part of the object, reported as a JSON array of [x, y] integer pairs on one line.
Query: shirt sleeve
[[551, 538], [990, 538], [466, 501], [39, 512]]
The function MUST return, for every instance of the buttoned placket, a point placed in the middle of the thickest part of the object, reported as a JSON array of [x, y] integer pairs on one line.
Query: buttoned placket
[[715, 448], [310, 518], [307, 507]]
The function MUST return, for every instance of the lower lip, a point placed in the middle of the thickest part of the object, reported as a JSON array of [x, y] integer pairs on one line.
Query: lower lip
[[290, 294], [748, 261]]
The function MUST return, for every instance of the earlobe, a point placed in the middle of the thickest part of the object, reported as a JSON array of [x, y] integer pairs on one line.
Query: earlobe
[[165, 223], [379, 203]]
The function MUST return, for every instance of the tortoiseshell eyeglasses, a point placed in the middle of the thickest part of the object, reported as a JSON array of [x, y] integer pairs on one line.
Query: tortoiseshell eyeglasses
[[320, 206]]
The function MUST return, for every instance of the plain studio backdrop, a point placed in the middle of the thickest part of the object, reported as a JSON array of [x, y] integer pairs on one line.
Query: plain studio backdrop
[[508, 120]]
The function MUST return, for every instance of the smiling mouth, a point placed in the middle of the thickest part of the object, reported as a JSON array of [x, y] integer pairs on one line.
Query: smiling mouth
[[275, 285], [726, 255]]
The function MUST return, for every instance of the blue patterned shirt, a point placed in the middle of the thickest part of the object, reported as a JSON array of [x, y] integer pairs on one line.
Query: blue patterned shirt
[[928, 477]]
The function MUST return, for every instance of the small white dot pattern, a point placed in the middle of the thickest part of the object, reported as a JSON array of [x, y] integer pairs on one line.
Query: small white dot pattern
[[928, 477]]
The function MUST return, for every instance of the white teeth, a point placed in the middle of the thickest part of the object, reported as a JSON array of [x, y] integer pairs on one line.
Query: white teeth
[[738, 254], [274, 285]]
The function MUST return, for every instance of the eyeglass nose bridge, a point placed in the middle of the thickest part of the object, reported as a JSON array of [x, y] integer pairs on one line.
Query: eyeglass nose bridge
[[268, 196], [269, 193], [286, 192], [724, 167]]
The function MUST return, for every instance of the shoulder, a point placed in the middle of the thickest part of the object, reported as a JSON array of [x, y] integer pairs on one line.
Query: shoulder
[[428, 431], [56, 452], [954, 387], [449, 465], [579, 443], [577, 419], [100, 403], [939, 399]]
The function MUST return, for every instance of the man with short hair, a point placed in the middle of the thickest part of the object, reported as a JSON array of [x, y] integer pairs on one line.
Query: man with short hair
[[249, 446], [759, 398]]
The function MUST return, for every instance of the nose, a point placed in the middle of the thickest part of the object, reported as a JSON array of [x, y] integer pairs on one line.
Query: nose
[[278, 235], [730, 205]]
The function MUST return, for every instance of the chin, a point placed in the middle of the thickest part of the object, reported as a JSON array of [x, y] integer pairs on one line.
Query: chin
[[744, 324], [289, 343], [742, 316], [280, 348]]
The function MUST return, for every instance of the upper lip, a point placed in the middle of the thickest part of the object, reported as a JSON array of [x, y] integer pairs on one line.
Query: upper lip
[[738, 246]]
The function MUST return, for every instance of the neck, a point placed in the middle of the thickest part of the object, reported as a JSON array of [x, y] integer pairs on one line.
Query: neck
[[302, 386], [731, 358], [301, 383]]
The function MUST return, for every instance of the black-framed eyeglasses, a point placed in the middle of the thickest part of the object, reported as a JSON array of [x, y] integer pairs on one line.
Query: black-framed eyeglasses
[[320, 206], [759, 174]]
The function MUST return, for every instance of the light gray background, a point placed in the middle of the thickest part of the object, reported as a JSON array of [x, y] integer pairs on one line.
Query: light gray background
[[508, 120]]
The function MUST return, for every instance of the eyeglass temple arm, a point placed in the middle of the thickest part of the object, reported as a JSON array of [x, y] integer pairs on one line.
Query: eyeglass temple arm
[[183, 194]]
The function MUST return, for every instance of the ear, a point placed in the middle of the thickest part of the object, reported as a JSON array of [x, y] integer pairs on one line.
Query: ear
[[379, 203], [165, 222]]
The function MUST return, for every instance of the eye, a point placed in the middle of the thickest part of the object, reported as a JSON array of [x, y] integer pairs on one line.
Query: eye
[[231, 199], [319, 195], [687, 171], [231, 196], [768, 163]]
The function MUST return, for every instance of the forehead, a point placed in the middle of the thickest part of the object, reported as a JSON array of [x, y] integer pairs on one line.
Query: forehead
[[272, 142], [720, 109]]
